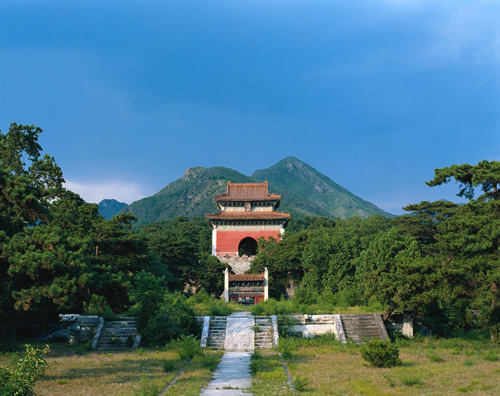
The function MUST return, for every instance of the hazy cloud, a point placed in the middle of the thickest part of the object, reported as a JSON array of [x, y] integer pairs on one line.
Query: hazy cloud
[[96, 192]]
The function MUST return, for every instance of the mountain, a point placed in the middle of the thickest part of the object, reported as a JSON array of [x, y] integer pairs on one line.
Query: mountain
[[304, 190], [308, 184], [110, 207], [191, 195]]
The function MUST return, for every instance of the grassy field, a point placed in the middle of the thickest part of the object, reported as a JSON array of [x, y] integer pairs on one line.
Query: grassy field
[[141, 372], [430, 366], [320, 366]]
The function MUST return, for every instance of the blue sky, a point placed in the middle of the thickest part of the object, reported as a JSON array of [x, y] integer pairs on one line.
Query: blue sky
[[374, 94]]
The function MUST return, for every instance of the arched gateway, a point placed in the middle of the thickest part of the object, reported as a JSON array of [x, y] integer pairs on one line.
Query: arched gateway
[[247, 213]]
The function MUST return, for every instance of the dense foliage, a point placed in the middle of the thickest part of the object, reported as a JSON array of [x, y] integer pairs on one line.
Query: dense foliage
[[21, 379], [380, 353], [441, 262], [58, 254]]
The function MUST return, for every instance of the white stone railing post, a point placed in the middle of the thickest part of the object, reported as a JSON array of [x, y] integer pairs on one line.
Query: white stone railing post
[[266, 284], [340, 329], [226, 285], [204, 332], [276, 334], [98, 333]]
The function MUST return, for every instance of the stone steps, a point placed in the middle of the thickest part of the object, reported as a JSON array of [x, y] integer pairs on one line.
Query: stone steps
[[362, 327], [217, 332], [115, 334], [263, 333]]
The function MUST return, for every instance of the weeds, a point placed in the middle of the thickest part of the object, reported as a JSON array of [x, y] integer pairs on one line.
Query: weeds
[[129, 342], [148, 388], [209, 361], [491, 356], [411, 380], [301, 384], [168, 366], [434, 357], [83, 348], [186, 347]]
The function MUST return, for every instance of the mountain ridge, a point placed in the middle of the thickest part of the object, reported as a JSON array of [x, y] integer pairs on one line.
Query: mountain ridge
[[110, 207], [308, 183], [305, 192]]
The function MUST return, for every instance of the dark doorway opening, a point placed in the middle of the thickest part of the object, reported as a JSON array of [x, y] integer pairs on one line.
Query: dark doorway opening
[[247, 246]]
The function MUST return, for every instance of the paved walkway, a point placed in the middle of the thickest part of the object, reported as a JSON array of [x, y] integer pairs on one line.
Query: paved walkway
[[232, 376]]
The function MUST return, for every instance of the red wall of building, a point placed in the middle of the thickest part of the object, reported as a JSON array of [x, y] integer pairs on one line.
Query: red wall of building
[[228, 241]]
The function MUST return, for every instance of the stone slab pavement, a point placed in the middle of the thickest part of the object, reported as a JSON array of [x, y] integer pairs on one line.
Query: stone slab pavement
[[232, 376]]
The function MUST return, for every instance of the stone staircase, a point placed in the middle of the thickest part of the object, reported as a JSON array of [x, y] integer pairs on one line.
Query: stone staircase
[[361, 327], [215, 329], [217, 332], [263, 332], [115, 334]]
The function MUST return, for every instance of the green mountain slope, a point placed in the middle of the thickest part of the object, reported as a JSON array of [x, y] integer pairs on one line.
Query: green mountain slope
[[109, 207], [305, 192], [308, 184], [191, 195]]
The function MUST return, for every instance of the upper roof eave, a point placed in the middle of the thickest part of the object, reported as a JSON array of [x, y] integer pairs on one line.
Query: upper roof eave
[[270, 197], [248, 216]]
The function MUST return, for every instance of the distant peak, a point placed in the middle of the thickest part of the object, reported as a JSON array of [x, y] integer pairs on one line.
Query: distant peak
[[108, 201], [292, 164], [193, 172], [291, 159]]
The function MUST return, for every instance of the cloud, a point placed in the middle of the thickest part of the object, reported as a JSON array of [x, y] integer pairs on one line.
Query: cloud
[[454, 31], [96, 192]]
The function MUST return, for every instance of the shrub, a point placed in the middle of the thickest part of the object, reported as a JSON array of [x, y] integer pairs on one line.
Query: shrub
[[301, 384], [129, 342], [186, 347], [491, 356], [434, 357], [168, 366], [411, 380], [83, 348], [209, 361], [171, 319], [6, 346], [286, 348], [254, 361], [380, 353], [348, 297], [29, 369], [219, 308]]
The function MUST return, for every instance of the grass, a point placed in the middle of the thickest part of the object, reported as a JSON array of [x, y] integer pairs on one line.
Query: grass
[[430, 366], [292, 307], [268, 376], [141, 372], [320, 366], [197, 375]]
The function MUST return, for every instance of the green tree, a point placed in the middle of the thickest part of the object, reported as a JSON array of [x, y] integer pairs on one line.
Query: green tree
[[183, 246], [329, 258], [485, 174], [391, 271], [466, 256], [56, 252], [283, 261], [423, 222]]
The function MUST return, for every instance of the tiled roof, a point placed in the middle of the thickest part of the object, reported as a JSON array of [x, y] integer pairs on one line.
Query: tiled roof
[[246, 277], [248, 216], [247, 192]]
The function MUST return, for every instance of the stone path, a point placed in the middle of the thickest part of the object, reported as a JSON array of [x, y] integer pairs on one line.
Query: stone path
[[232, 376]]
